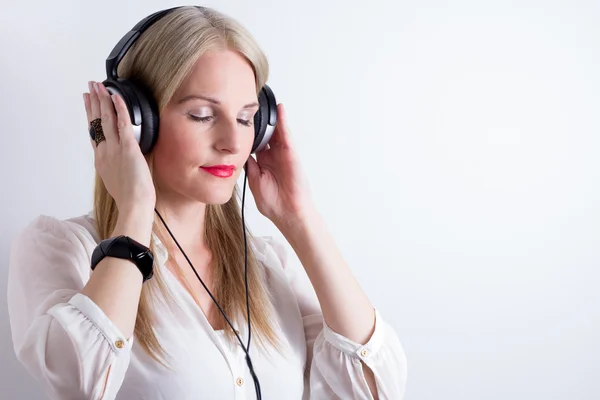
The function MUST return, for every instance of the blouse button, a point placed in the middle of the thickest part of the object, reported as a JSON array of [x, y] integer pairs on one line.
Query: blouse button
[[364, 352], [239, 381], [119, 344]]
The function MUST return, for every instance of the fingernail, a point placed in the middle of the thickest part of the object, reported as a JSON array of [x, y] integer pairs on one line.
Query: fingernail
[[90, 86]]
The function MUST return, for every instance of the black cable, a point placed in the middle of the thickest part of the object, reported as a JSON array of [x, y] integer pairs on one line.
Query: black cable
[[246, 252], [247, 348]]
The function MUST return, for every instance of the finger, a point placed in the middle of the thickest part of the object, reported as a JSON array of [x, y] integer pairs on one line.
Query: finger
[[253, 169], [88, 114], [281, 135], [94, 104], [88, 106], [107, 114], [124, 125], [261, 155]]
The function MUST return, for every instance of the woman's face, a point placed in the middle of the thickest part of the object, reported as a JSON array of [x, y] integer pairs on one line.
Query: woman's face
[[207, 130]]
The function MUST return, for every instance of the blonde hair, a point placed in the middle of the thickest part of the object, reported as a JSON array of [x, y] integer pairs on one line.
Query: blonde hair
[[160, 60]]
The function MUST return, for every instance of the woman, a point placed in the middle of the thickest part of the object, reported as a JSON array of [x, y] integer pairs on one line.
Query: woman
[[118, 331]]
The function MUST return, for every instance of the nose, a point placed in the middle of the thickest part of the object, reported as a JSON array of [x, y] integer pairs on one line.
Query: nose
[[229, 136]]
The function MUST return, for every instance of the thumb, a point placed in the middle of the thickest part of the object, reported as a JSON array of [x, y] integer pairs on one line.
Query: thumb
[[252, 169]]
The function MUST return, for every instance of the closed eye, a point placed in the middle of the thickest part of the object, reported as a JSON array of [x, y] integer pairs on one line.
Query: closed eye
[[244, 122], [200, 119]]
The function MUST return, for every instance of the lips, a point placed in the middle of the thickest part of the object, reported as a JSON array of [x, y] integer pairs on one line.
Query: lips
[[221, 171]]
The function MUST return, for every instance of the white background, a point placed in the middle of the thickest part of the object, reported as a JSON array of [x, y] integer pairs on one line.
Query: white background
[[452, 148]]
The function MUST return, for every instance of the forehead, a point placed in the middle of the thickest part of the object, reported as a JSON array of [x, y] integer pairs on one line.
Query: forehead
[[220, 73]]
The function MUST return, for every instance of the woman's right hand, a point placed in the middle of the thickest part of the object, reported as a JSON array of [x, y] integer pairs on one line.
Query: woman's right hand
[[119, 159]]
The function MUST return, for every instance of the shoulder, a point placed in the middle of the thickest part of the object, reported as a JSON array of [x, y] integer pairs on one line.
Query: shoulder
[[277, 257], [285, 273], [47, 255], [44, 231], [269, 251]]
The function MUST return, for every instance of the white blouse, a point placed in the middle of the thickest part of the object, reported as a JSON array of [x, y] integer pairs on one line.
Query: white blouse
[[74, 350]]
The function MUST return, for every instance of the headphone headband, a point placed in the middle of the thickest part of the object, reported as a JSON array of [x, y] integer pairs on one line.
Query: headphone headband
[[118, 52]]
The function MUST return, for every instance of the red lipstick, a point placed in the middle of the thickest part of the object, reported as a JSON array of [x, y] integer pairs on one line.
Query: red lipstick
[[221, 171]]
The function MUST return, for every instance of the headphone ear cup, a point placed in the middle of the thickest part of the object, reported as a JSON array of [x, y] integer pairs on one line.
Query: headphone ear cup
[[142, 108], [265, 119]]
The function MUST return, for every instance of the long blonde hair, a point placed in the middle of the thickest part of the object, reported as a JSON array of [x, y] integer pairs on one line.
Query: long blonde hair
[[160, 60]]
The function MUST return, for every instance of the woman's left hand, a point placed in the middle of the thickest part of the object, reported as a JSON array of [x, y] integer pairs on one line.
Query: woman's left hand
[[276, 180]]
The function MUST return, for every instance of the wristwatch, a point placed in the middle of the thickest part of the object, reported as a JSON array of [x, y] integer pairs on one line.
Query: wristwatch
[[128, 249]]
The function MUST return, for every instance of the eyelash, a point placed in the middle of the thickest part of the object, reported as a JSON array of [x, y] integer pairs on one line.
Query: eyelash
[[208, 119]]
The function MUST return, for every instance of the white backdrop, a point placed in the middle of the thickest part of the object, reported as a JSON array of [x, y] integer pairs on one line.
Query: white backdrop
[[452, 148]]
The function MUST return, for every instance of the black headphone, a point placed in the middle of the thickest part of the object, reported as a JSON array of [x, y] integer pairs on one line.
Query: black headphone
[[142, 107]]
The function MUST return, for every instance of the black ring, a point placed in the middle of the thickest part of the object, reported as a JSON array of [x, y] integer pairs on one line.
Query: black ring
[[96, 132]]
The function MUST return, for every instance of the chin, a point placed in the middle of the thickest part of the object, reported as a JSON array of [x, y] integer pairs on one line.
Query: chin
[[215, 197]]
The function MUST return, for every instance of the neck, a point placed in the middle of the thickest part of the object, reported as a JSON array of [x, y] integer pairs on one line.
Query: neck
[[185, 219]]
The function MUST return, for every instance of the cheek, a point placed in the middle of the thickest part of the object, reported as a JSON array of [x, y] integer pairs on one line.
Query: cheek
[[183, 146], [248, 141], [175, 160], [176, 145]]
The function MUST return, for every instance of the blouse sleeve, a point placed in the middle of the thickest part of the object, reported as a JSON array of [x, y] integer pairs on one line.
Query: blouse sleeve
[[61, 336], [335, 362]]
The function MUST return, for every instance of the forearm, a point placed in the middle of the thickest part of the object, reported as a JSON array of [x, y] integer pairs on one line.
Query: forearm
[[346, 308], [116, 284]]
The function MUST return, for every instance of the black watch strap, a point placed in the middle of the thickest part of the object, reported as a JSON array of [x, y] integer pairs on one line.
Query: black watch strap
[[126, 248]]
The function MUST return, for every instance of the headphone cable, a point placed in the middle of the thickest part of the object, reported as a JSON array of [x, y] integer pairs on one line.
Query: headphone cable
[[245, 348]]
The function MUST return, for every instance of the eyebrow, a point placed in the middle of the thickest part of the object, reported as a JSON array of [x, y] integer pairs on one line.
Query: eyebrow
[[210, 99]]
